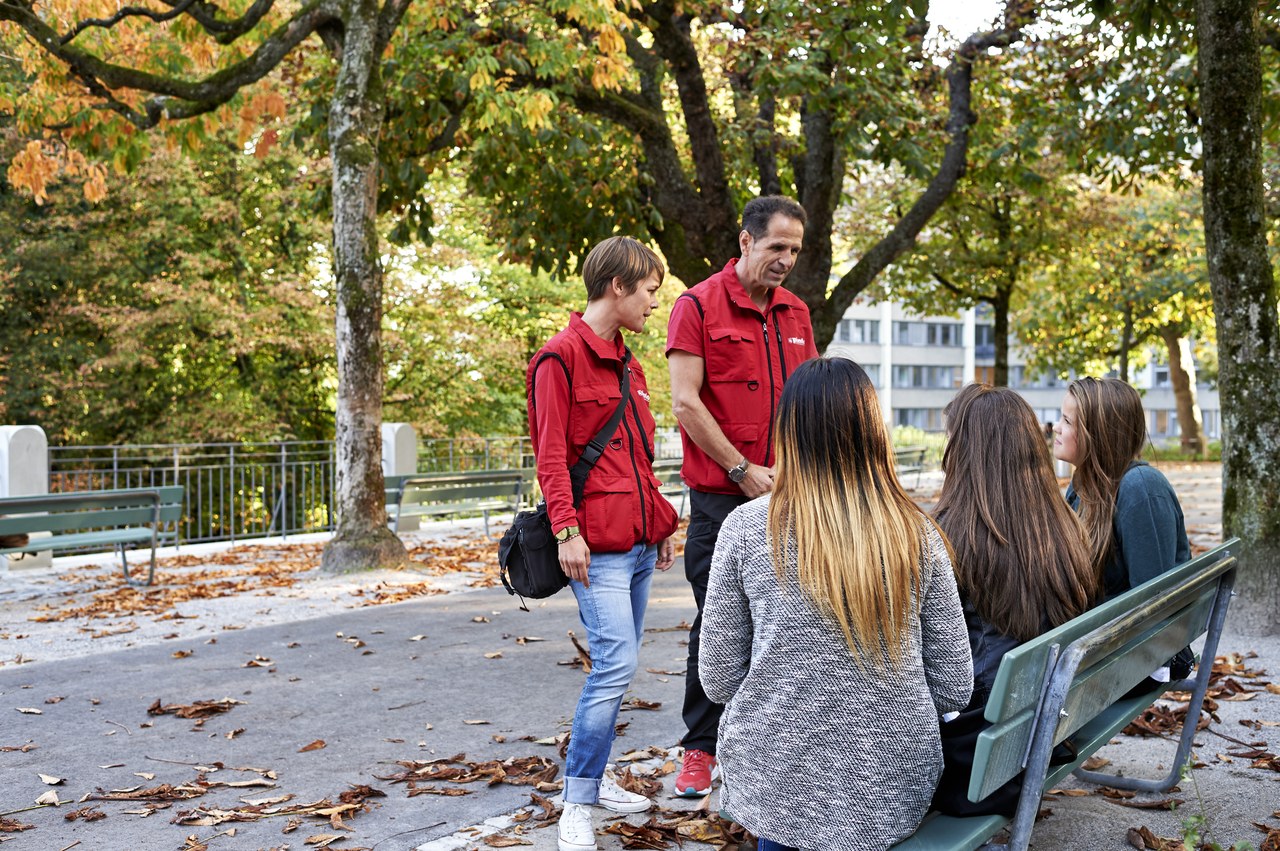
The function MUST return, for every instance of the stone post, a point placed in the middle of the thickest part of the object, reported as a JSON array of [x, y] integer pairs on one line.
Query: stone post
[[24, 471], [400, 458]]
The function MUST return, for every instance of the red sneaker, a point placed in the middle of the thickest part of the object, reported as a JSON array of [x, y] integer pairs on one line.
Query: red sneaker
[[697, 772]]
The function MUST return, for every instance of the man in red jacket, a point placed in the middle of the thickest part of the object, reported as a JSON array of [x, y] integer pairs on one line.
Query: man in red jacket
[[731, 343]]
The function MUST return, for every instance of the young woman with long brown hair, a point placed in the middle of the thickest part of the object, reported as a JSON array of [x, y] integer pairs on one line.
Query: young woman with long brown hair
[[832, 631], [1130, 512], [1020, 556]]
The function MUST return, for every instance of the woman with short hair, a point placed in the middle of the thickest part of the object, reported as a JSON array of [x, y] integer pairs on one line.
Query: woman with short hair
[[833, 632], [619, 532]]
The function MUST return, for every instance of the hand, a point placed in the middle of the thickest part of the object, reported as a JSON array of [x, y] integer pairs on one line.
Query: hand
[[666, 555], [575, 558], [758, 481]]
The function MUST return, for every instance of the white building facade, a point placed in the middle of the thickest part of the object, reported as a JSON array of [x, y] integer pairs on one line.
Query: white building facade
[[919, 362]]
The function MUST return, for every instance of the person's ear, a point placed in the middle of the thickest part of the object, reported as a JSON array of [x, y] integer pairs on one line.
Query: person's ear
[[618, 287], [744, 240]]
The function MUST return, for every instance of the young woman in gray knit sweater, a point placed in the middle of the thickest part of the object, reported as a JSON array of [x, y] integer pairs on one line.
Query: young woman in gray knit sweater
[[832, 631]]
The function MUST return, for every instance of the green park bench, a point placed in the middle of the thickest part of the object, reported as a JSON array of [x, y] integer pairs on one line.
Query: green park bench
[[1070, 684], [89, 519], [445, 494], [910, 459], [668, 472]]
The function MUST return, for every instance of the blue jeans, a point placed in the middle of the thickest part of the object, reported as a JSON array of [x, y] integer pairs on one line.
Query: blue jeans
[[612, 610], [763, 844]]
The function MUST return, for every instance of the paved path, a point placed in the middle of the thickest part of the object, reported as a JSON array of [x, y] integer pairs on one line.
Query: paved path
[[383, 684]]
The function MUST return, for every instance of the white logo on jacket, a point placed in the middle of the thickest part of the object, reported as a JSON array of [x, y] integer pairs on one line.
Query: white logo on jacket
[[799, 341], [643, 395]]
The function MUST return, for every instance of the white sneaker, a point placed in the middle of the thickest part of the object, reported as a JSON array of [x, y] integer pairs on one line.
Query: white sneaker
[[614, 797], [576, 832]]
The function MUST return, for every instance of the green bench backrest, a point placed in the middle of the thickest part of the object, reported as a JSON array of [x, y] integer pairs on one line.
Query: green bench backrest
[[1104, 674], [88, 510], [455, 487]]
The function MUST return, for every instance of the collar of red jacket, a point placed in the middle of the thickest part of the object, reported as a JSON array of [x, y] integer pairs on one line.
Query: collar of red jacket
[[779, 297], [605, 349]]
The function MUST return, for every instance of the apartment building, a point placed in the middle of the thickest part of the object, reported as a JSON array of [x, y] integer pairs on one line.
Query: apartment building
[[918, 362]]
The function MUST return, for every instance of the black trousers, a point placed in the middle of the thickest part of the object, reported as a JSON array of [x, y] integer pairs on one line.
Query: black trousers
[[706, 512]]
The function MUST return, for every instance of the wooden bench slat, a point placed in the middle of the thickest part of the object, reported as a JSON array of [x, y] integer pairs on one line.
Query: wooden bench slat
[[85, 519], [947, 833], [126, 535]]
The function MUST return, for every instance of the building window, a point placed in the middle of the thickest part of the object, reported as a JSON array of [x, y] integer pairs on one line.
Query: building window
[[1209, 419], [1021, 377], [984, 374], [928, 334], [1160, 377], [873, 372], [1163, 423], [928, 419], [984, 341], [858, 331], [945, 377]]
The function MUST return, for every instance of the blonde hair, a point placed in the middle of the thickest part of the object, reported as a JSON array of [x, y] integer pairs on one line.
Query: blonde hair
[[1019, 551], [1111, 431], [839, 513]]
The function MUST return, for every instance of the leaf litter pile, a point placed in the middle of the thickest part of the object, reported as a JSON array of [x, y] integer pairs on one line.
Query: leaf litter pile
[[98, 592]]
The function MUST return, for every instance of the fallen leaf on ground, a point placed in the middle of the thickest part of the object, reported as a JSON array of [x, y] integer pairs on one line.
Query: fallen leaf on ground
[[9, 825], [505, 840], [637, 703], [29, 710], [86, 813], [50, 780], [198, 709], [314, 746]]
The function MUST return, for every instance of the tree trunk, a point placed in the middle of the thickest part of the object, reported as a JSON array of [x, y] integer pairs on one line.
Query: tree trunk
[[1244, 301], [1000, 331], [362, 539], [1126, 342], [1182, 374]]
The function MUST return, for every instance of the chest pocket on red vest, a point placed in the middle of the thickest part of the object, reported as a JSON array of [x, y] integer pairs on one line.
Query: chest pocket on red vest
[[593, 404], [731, 355]]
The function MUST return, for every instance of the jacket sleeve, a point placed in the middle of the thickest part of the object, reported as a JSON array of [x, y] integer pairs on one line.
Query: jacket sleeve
[[551, 400], [725, 653], [944, 637], [1146, 525]]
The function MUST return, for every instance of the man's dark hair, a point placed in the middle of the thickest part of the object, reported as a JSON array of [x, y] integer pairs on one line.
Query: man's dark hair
[[759, 211]]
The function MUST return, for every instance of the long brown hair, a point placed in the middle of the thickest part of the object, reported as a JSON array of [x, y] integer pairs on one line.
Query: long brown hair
[[840, 514], [1019, 552], [1111, 431]]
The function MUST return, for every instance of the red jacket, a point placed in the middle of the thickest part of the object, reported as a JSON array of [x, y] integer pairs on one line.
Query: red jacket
[[573, 390], [748, 356]]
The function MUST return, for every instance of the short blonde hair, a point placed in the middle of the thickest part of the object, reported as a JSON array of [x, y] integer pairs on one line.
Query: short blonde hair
[[619, 257]]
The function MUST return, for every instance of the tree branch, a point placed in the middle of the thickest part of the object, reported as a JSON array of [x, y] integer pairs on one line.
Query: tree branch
[[1018, 14], [126, 12], [192, 97], [224, 32]]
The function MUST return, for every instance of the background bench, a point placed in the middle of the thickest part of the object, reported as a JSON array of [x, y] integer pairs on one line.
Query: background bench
[[1070, 683], [455, 493], [668, 472], [112, 518], [910, 459]]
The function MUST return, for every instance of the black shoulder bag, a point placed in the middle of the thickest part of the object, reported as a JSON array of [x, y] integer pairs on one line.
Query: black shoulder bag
[[528, 554]]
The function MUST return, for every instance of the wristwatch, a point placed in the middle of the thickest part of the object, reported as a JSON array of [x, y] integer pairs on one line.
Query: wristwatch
[[567, 533], [738, 473]]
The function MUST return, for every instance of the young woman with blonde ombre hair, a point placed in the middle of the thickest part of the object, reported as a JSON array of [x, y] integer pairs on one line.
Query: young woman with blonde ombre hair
[[833, 632]]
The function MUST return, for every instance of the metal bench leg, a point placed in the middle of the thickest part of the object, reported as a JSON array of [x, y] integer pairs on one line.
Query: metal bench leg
[[486, 525], [1217, 618]]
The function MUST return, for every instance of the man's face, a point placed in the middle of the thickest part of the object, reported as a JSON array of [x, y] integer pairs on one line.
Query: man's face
[[767, 261]]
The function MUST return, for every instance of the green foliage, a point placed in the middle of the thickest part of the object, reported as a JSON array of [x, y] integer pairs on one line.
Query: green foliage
[[183, 310], [1140, 268], [934, 441], [462, 324]]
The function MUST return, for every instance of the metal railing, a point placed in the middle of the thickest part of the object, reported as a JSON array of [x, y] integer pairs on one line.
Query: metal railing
[[233, 490], [253, 490]]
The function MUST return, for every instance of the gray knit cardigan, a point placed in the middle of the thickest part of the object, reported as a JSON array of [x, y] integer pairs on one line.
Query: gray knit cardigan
[[815, 752]]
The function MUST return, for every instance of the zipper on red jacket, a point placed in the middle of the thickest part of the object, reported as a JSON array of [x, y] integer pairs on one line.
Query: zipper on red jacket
[[644, 517], [782, 357], [773, 393]]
